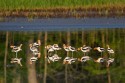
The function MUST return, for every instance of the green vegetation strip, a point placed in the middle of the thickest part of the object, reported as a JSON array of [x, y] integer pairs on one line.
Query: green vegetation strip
[[41, 4]]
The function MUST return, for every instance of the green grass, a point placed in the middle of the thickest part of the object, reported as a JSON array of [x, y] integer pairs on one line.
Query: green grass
[[37, 4]]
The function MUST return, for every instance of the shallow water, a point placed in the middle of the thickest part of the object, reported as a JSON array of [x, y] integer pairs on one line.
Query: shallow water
[[92, 32]]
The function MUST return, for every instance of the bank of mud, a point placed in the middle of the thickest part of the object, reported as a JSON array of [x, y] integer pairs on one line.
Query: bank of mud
[[79, 12]]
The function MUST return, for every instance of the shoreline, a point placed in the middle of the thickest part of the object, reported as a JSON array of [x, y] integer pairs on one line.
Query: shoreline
[[62, 12]]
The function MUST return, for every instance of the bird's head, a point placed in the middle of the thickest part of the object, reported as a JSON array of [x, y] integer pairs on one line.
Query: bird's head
[[95, 48], [79, 59], [11, 46], [79, 48], [83, 45], [107, 45], [30, 45]]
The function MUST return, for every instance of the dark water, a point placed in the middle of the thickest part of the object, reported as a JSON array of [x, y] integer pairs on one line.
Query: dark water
[[75, 32]]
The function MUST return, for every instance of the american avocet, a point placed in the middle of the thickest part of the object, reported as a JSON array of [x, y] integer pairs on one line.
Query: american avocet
[[110, 51], [56, 47], [69, 60], [53, 58], [49, 48], [85, 49], [66, 48], [99, 49], [100, 60], [33, 59], [72, 49], [32, 48], [84, 58], [16, 49], [37, 44], [109, 61], [37, 54], [16, 60]]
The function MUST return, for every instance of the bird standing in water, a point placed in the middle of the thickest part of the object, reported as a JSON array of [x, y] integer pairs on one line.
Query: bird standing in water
[[99, 49], [110, 51], [72, 49], [100, 60], [16, 49], [85, 49], [109, 61]]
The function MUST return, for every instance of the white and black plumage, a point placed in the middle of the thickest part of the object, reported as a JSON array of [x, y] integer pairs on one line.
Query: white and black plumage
[[49, 48], [56, 47], [84, 58], [72, 49], [99, 49], [16, 60], [53, 58], [85, 49], [33, 59], [16, 49], [109, 61], [100, 60], [66, 48], [32, 48], [69, 60], [37, 54], [110, 51], [36, 44]]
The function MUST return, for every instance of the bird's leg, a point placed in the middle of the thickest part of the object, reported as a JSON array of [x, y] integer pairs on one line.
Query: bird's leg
[[84, 53], [101, 54], [20, 63], [56, 51], [72, 54], [87, 53], [16, 54]]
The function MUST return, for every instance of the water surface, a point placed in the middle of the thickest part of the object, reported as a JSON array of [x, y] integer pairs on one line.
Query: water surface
[[75, 32]]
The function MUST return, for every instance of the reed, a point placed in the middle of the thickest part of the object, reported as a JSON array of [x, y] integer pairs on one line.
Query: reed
[[42, 4]]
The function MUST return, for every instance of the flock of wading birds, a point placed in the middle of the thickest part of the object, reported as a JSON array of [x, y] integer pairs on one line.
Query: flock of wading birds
[[67, 60]]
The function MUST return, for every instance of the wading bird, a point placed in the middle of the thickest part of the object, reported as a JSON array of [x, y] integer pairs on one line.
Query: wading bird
[[110, 51], [16, 49], [85, 49], [100, 60], [84, 58], [36, 44], [37, 54], [69, 60], [109, 61], [33, 59], [66, 48], [53, 58], [32, 48], [16, 60], [56, 47], [72, 49], [99, 49]]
